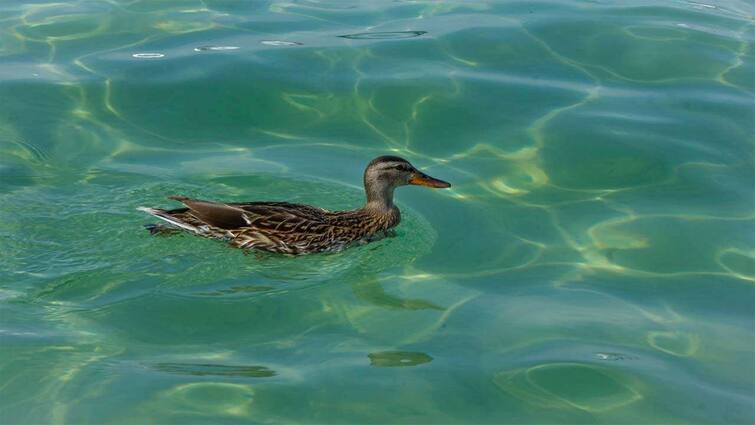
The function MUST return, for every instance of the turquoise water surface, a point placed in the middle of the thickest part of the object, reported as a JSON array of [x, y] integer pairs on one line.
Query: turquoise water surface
[[594, 261]]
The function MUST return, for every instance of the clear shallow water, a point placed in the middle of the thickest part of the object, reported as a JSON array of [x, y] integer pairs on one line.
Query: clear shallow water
[[593, 263]]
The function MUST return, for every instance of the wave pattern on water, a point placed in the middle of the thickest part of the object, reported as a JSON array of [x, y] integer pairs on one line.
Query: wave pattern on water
[[593, 261]]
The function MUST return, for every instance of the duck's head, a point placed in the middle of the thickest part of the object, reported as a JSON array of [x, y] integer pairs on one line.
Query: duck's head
[[385, 173]]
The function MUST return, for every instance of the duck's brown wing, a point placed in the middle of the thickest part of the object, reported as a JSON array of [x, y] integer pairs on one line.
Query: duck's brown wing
[[280, 217], [285, 210], [215, 214]]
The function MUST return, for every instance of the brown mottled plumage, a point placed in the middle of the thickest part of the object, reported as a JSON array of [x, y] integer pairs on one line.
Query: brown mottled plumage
[[295, 228]]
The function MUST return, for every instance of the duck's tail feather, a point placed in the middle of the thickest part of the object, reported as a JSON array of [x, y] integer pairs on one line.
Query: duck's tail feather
[[157, 229], [163, 215]]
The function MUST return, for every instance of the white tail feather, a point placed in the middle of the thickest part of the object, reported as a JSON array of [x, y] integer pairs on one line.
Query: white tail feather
[[162, 216]]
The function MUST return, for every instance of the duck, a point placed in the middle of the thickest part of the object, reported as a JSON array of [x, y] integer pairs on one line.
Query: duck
[[296, 229]]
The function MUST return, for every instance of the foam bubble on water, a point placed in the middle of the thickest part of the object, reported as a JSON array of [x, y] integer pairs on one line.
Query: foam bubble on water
[[697, 5], [280, 43], [215, 48], [613, 356], [148, 55]]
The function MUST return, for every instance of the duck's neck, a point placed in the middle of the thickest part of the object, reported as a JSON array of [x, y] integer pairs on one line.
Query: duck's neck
[[379, 197]]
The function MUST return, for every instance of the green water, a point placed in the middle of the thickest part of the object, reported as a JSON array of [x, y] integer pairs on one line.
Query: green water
[[593, 262]]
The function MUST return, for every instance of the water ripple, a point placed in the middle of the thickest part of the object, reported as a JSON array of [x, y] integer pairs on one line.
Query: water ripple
[[148, 55], [215, 48], [215, 370], [384, 35]]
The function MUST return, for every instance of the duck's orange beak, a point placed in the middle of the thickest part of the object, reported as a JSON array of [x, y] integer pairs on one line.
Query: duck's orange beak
[[421, 179]]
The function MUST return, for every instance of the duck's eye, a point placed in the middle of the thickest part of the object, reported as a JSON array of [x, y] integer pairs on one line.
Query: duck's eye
[[401, 167]]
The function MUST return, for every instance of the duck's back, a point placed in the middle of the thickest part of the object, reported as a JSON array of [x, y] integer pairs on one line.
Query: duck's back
[[280, 227]]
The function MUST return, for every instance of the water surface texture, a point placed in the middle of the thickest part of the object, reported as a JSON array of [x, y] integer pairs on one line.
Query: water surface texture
[[593, 262]]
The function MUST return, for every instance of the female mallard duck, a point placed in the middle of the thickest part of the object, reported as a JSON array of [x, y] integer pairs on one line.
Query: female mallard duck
[[300, 229]]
